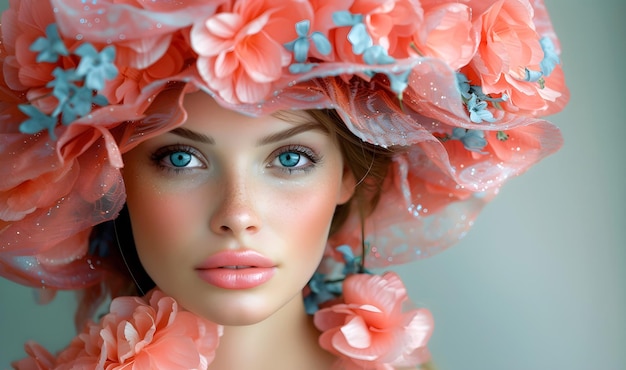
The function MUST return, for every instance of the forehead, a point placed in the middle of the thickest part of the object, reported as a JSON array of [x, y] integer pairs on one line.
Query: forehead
[[205, 115]]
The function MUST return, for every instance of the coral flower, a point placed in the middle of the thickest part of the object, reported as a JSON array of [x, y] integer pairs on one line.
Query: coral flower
[[137, 334], [21, 26], [370, 330], [510, 50], [447, 34], [241, 53], [389, 23]]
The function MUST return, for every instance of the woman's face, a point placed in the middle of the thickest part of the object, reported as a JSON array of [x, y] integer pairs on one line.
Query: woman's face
[[231, 214]]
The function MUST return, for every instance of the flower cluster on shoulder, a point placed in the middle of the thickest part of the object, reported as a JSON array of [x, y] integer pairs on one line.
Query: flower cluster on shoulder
[[138, 333], [370, 329], [365, 319]]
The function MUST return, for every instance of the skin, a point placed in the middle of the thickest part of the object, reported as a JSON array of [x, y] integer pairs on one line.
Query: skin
[[242, 188]]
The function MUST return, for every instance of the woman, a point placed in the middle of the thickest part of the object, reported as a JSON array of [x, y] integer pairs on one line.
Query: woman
[[265, 151]]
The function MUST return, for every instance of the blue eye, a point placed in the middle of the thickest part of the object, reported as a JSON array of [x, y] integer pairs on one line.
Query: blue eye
[[180, 159], [293, 159], [289, 159]]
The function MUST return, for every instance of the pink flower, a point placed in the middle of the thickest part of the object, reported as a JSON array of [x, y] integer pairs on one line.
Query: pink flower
[[142, 31], [370, 330], [390, 23], [447, 33], [509, 47], [241, 52], [136, 334], [22, 24], [127, 86], [38, 358]]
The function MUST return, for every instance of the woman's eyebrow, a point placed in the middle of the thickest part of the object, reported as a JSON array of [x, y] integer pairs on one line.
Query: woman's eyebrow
[[192, 135], [278, 136], [285, 134]]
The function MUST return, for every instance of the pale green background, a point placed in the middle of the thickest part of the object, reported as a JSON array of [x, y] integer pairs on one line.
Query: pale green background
[[540, 283]]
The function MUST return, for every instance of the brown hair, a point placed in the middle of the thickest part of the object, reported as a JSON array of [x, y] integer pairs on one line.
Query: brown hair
[[368, 163]]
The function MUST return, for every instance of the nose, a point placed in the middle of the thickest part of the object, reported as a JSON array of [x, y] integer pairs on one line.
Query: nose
[[235, 212]]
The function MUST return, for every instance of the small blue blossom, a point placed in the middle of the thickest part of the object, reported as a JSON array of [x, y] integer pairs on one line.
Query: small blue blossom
[[478, 91], [343, 18], [63, 86], [300, 46], [360, 39], [358, 36], [96, 67], [38, 121], [377, 55], [321, 291], [50, 48], [550, 57], [399, 82], [296, 68], [476, 100], [532, 76], [78, 104], [473, 140], [463, 85], [478, 110], [75, 89], [353, 264]]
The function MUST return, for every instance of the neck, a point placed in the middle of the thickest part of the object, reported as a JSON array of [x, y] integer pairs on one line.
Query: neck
[[286, 340]]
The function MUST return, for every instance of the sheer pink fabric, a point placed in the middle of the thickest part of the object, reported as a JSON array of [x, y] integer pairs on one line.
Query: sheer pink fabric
[[52, 192]]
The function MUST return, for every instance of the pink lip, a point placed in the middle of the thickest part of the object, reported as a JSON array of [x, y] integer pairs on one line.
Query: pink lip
[[241, 269]]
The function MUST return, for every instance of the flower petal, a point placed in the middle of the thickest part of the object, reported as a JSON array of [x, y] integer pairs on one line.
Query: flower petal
[[356, 333]]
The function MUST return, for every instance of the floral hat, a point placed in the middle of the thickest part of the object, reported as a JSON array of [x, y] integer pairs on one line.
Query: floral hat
[[461, 86]]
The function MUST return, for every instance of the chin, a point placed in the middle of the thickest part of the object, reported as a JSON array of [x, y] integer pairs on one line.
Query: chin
[[234, 309]]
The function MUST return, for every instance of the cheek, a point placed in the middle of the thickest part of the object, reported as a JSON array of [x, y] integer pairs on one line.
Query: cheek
[[161, 221], [305, 220]]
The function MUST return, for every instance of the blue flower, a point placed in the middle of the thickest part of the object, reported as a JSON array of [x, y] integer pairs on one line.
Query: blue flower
[[359, 38], [531, 75], [38, 121], [300, 46], [478, 91], [377, 55], [463, 85], [321, 291], [353, 265], [296, 68], [77, 105], [49, 48], [550, 57], [74, 101], [478, 110], [96, 67], [73, 88], [63, 86], [473, 140], [345, 18], [399, 82]]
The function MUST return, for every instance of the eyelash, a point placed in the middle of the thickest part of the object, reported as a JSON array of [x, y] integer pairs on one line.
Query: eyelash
[[161, 154], [308, 153]]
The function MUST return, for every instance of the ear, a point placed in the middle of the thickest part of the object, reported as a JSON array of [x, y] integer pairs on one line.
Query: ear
[[348, 186]]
